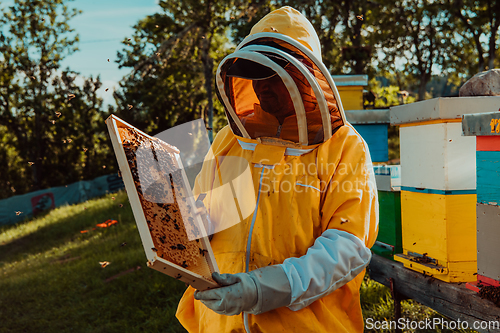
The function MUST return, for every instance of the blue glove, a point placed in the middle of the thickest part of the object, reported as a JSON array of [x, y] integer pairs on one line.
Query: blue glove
[[259, 291], [238, 293]]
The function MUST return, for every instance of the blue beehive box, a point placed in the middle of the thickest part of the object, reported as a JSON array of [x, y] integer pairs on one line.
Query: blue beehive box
[[373, 126]]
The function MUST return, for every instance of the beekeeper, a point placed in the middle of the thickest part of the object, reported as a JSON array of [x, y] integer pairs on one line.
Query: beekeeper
[[297, 262]]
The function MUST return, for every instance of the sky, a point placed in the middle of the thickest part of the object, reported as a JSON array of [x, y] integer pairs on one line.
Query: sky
[[102, 26]]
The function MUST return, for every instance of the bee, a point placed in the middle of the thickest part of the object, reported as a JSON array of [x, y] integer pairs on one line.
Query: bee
[[85, 150], [71, 96], [129, 106], [360, 17], [108, 59], [18, 213], [274, 29], [104, 263], [31, 163], [343, 220], [58, 114], [184, 264], [106, 89], [52, 121]]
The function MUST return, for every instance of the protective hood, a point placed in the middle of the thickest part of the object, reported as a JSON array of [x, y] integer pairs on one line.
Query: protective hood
[[283, 44]]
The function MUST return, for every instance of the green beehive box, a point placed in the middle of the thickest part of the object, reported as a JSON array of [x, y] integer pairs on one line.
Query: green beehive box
[[389, 240]]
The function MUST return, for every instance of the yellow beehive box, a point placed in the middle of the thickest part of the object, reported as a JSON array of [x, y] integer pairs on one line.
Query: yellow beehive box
[[438, 186], [350, 88], [439, 235]]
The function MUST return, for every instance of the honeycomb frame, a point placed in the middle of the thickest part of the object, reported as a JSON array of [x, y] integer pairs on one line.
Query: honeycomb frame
[[163, 234]]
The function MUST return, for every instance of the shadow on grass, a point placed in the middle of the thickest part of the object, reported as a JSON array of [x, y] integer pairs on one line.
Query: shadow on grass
[[76, 296], [63, 230]]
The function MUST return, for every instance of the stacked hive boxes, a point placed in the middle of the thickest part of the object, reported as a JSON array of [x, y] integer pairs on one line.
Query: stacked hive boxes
[[486, 128], [438, 186], [389, 240], [373, 127]]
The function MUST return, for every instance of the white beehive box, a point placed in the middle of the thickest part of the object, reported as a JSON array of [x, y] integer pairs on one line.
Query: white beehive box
[[437, 156], [153, 213], [442, 108], [434, 154], [388, 177]]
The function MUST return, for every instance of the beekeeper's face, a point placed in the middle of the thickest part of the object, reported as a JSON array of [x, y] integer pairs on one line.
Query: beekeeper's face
[[274, 97]]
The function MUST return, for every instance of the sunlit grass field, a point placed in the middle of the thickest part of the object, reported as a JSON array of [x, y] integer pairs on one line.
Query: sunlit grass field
[[52, 280]]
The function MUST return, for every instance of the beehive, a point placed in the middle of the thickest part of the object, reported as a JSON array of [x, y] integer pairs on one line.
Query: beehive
[[350, 88], [389, 239], [438, 186], [170, 226], [373, 126], [486, 128]]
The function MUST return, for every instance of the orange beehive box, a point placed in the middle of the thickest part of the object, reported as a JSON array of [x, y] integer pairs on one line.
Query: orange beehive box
[[170, 225]]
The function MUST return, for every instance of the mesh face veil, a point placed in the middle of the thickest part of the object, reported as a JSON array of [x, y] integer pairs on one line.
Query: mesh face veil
[[313, 112]]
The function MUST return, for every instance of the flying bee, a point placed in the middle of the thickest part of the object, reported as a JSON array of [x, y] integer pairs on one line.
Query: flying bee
[[104, 263]]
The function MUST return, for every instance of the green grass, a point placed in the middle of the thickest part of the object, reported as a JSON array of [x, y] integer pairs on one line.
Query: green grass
[[51, 279], [377, 304]]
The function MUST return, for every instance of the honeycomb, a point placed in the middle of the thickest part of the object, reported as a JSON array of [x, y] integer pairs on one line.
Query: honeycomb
[[165, 201]]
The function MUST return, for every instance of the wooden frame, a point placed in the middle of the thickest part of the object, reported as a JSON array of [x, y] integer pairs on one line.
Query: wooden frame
[[154, 261]]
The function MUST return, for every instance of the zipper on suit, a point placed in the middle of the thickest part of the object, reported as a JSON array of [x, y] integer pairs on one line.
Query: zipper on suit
[[278, 133], [249, 240]]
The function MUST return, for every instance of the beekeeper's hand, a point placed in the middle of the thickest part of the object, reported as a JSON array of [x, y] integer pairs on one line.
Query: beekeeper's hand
[[239, 292]]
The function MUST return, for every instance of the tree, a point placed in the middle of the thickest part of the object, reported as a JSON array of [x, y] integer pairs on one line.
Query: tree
[[49, 120], [346, 45], [420, 43], [172, 55], [478, 23]]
